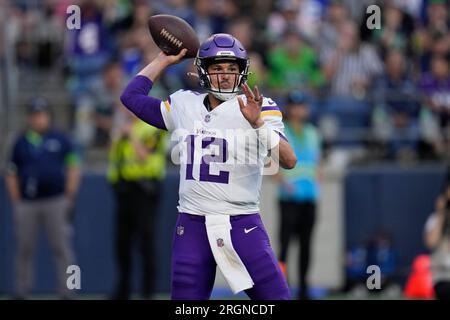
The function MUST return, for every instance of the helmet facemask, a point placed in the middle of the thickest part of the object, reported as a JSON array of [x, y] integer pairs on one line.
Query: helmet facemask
[[206, 78]]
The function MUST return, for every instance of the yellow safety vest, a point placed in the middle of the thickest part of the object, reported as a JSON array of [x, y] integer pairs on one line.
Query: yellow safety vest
[[124, 163]]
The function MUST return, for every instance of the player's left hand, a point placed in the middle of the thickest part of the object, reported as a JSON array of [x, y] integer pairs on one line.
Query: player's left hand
[[252, 109]]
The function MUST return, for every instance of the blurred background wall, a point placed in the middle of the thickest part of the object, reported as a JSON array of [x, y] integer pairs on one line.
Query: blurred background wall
[[357, 205]]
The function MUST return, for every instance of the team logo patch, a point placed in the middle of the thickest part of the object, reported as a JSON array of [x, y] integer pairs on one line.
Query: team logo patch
[[180, 230], [220, 243]]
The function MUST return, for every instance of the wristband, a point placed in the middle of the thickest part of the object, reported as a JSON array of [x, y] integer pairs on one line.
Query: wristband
[[267, 136]]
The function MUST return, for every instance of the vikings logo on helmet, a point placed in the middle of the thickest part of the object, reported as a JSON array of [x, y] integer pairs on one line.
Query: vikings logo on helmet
[[219, 48]]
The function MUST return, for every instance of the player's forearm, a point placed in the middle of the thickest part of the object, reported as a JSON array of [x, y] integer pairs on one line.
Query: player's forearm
[[135, 98], [154, 69], [287, 156], [280, 149]]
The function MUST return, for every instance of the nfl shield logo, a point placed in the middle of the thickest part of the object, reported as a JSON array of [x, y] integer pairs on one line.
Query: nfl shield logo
[[207, 118], [220, 243], [180, 230]]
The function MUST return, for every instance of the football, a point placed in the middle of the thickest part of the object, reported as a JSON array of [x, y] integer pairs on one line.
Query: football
[[172, 34]]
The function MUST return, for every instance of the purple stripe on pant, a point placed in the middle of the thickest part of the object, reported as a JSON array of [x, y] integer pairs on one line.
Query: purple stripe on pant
[[194, 267]]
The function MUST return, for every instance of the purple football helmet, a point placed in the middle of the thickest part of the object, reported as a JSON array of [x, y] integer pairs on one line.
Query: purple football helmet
[[218, 48]]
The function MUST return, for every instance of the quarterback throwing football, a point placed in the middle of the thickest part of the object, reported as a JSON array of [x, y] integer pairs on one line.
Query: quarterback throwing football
[[225, 138]]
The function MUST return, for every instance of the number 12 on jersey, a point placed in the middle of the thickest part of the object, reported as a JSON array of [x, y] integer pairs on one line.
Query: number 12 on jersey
[[210, 144]]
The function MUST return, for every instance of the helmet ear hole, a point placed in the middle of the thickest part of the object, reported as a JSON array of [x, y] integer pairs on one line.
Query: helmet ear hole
[[242, 65]]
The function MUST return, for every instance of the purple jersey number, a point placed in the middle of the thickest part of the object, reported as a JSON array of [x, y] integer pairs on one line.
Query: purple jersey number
[[222, 157]]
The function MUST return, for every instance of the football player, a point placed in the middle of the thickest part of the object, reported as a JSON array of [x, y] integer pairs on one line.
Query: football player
[[225, 138]]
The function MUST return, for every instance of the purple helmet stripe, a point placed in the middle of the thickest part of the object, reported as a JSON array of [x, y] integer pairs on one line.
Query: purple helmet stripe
[[222, 45]]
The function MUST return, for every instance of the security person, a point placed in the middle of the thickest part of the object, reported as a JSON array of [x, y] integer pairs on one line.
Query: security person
[[137, 166], [42, 180]]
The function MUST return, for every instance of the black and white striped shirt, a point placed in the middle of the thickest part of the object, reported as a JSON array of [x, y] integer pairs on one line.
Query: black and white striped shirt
[[363, 64]]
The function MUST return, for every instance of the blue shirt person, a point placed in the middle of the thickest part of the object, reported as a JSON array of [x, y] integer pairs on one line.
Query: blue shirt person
[[299, 187], [42, 181]]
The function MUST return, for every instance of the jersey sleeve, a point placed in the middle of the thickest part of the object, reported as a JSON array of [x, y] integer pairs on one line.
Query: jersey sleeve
[[271, 114], [135, 98], [169, 109], [71, 157]]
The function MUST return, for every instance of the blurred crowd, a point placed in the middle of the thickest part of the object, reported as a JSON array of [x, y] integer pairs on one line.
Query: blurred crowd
[[384, 90]]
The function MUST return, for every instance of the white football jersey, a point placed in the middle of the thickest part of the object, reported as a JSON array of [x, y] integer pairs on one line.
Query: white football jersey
[[221, 159]]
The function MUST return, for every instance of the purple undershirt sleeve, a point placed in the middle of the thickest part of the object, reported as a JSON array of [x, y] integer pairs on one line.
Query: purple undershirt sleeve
[[135, 98]]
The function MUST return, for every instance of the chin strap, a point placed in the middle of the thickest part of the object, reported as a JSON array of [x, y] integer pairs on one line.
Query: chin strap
[[224, 96]]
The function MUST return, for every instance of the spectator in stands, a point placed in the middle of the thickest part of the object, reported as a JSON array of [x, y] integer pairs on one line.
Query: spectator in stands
[[335, 15], [376, 250], [303, 16], [137, 166], [205, 19], [436, 44], [435, 87], [229, 10], [351, 66], [88, 50], [381, 252], [107, 101], [350, 69], [281, 19], [135, 41], [437, 16], [437, 239], [299, 187], [433, 37], [242, 29], [42, 34], [356, 269], [293, 65], [42, 181], [179, 8], [358, 8], [396, 115], [395, 31]]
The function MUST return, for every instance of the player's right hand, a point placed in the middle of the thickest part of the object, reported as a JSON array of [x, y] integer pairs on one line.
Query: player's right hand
[[169, 60], [251, 110]]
